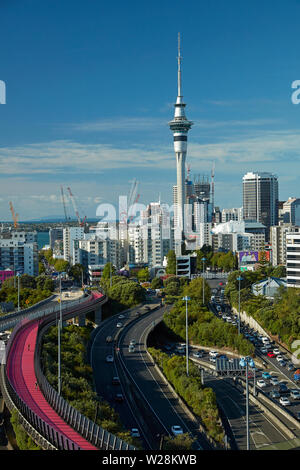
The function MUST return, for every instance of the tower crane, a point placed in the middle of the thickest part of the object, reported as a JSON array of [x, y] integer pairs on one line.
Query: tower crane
[[64, 203], [80, 222], [14, 215]]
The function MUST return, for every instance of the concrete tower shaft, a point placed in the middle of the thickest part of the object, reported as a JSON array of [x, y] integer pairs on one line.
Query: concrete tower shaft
[[180, 126]]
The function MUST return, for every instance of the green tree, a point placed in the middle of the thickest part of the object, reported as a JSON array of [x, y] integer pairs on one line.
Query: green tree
[[108, 271], [171, 262], [143, 275]]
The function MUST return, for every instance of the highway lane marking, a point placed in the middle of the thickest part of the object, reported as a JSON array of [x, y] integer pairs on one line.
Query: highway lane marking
[[150, 372]]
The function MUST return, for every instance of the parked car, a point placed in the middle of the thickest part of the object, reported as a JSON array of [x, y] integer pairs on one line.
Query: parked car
[[279, 357], [290, 366], [213, 353], [270, 354], [282, 363]]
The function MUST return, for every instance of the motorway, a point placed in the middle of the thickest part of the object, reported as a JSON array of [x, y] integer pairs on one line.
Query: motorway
[[149, 404]]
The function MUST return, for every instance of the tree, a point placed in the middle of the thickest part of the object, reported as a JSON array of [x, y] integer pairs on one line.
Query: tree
[[108, 271], [156, 283], [171, 262], [76, 271], [143, 275]]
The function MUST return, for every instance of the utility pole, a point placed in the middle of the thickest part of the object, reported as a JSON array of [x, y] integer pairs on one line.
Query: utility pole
[[203, 296]]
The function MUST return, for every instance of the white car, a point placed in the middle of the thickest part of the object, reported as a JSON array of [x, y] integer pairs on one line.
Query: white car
[[176, 430], [198, 354], [261, 383], [295, 394], [276, 351], [135, 432], [119, 325], [109, 358], [279, 358], [213, 353], [274, 381], [284, 401]]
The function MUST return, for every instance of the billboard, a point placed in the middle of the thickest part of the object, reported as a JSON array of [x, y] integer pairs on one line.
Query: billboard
[[246, 257], [252, 257]]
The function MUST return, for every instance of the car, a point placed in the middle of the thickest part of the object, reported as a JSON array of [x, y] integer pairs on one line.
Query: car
[[108, 339], [276, 351], [261, 383], [263, 350], [109, 358], [290, 366], [212, 359], [115, 380], [298, 415], [284, 401], [119, 397], [213, 353], [274, 394], [131, 348], [121, 316], [223, 356], [282, 388], [295, 394], [133, 342], [279, 358], [274, 381], [282, 363], [119, 325], [176, 430], [198, 354], [270, 354], [266, 375], [135, 432]]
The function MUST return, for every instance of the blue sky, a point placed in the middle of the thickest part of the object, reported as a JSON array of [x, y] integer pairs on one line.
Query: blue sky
[[91, 87]]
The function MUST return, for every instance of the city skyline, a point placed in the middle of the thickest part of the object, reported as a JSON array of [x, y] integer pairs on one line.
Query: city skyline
[[92, 111]]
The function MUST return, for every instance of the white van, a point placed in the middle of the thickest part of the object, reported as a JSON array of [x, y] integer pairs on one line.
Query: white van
[[265, 340]]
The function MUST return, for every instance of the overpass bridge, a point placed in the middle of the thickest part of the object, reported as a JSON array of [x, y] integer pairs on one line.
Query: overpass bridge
[[51, 422]]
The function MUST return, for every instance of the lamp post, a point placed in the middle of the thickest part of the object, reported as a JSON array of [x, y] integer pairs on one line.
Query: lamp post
[[186, 332], [239, 326], [18, 276], [246, 362], [203, 261], [59, 339]]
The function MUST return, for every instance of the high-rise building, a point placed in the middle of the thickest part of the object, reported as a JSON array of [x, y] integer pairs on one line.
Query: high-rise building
[[260, 198], [293, 258], [291, 211], [180, 126]]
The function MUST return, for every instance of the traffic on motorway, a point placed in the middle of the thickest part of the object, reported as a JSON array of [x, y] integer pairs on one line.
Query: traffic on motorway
[[277, 380]]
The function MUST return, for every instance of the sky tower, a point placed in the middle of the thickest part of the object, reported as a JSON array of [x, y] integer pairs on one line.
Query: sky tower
[[180, 127]]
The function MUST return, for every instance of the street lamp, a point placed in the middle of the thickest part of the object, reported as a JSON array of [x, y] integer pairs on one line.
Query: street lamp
[[246, 362], [203, 261], [18, 276], [239, 279], [186, 331], [59, 339]]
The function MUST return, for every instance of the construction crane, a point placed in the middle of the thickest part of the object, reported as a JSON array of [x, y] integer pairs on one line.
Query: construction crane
[[64, 203], [132, 198], [80, 222], [14, 215]]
